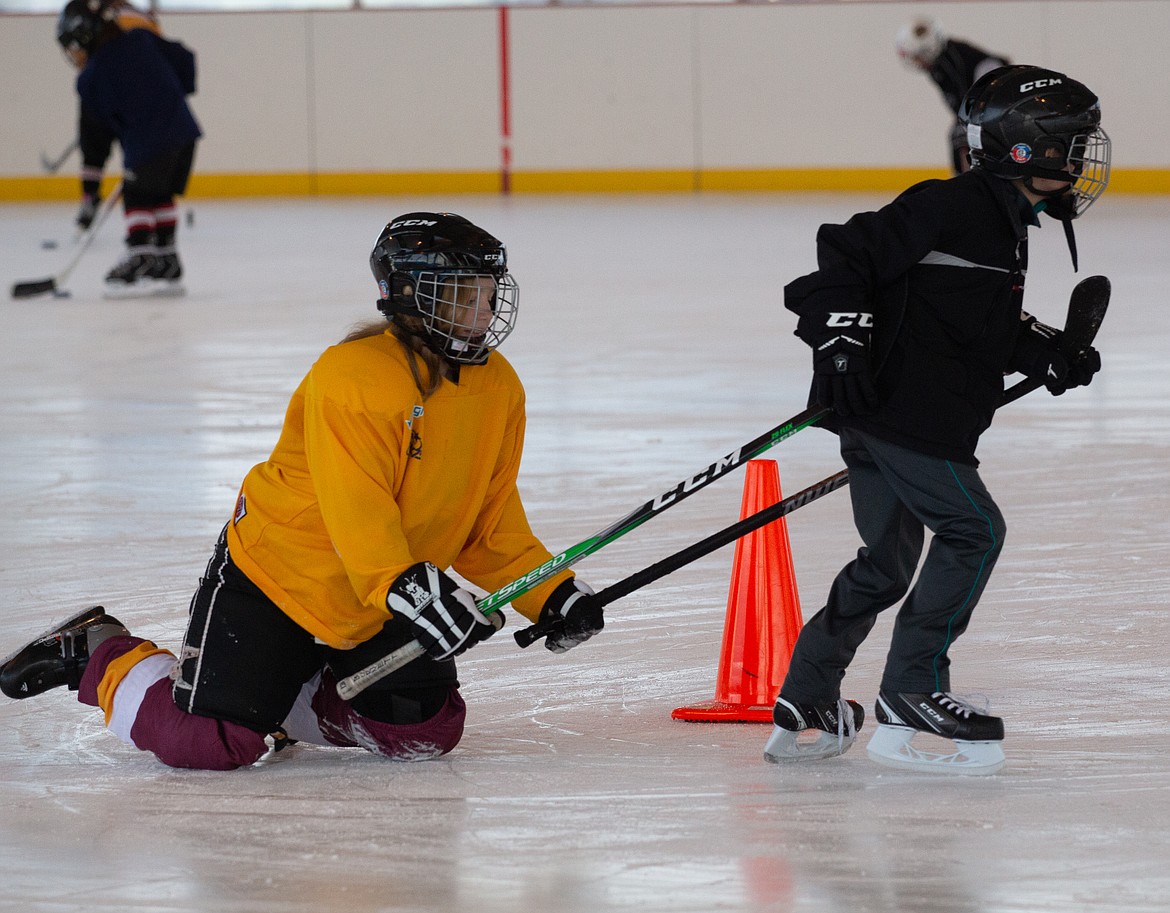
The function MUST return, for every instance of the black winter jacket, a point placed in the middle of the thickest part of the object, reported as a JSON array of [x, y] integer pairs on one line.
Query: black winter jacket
[[941, 269], [955, 70]]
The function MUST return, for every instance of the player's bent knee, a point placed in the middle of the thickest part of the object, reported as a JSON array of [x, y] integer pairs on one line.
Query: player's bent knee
[[130, 679], [341, 724], [184, 740], [431, 738]]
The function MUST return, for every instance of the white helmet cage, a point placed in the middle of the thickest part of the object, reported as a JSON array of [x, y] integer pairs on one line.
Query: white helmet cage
[[920, 42], [469, 312], [1089, 157]]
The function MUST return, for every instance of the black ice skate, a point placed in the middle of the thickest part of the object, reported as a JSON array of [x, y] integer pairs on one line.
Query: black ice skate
[[165, 274], [142, 273], [836, 725], [977, 737], [131, 268], [59, 656]]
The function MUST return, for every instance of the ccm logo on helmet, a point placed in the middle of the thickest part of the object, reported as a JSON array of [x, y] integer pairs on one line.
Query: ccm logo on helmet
[[406, 222], [1039, 84]]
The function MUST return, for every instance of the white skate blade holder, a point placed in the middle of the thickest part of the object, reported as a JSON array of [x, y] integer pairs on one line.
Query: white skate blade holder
[[144, 290], [785, 746], [891, 746]]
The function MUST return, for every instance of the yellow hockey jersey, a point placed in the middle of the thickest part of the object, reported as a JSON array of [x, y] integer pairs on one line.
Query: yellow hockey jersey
[[367, 479]]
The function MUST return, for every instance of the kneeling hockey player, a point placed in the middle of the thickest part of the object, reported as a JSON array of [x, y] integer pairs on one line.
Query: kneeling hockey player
[[914, 317], [398, 459]]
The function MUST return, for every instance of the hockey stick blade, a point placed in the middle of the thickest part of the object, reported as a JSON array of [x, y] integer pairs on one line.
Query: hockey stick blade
[[350, 687], [1086, 310], [527, 636], [41, 286], [34, 288]]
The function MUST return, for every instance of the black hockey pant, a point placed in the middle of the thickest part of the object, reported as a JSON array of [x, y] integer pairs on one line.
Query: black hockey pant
[[897, 494]]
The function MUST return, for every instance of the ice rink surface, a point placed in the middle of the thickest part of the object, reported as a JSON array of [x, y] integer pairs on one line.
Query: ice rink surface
[[652, 340]]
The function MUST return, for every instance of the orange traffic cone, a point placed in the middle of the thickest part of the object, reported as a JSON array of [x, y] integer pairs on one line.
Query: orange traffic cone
[[763, 614]]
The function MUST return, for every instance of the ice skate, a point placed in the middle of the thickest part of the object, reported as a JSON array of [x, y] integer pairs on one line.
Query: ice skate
[[977, 737], [836, 726], [130, 278], [59, 656], [166, 274]]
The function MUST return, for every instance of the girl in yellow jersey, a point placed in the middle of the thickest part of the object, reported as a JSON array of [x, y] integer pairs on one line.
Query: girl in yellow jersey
[[398, 460]]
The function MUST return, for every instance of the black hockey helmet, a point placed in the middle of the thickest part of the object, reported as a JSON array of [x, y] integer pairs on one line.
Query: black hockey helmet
[[82, 23], [1028, 122], [453, 277]]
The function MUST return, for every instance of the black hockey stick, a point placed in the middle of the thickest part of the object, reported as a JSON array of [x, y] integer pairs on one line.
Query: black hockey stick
[[1086, 309], [53, 284], [351, 686], [53, 165], [1087, 306], [669, 565]]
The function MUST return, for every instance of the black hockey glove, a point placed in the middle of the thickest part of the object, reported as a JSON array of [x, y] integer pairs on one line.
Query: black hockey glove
[[87, 210], [1078, 372], [445, 618], [842, 376], [1038, 355], [575, 613]]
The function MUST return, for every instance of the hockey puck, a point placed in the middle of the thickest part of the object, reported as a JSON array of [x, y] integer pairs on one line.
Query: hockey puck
[[49, 244], [62, 293]]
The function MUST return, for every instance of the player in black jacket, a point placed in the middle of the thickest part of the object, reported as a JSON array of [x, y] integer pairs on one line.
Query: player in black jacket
[[953, 65], [133, 86], [914, 317]]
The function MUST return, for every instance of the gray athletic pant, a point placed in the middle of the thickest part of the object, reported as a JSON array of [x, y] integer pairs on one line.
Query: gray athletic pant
[[897, 494]]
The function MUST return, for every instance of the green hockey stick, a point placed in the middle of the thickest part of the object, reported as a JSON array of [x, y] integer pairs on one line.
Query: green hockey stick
[[350, 687]]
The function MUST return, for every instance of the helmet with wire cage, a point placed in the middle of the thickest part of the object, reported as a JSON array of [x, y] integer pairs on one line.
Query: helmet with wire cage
[[82, 23], [446, 280], [1027, 122]]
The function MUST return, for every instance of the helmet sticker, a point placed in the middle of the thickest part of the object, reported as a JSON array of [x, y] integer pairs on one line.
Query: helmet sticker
[[1020, 153], [384, 288]]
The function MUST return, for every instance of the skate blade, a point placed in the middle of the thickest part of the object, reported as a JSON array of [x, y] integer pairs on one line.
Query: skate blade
[[891, 747], [51, 632], [785, 746], [140, 290]]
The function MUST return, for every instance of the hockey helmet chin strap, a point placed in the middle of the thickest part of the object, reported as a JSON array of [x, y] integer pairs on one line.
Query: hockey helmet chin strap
[[1061, 205], [1071, 238]]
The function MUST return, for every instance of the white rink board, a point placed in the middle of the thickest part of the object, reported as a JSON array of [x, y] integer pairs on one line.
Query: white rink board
[[657, 88]]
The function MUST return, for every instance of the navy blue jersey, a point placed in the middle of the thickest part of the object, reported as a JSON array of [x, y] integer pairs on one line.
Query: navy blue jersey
[[130, 86]]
